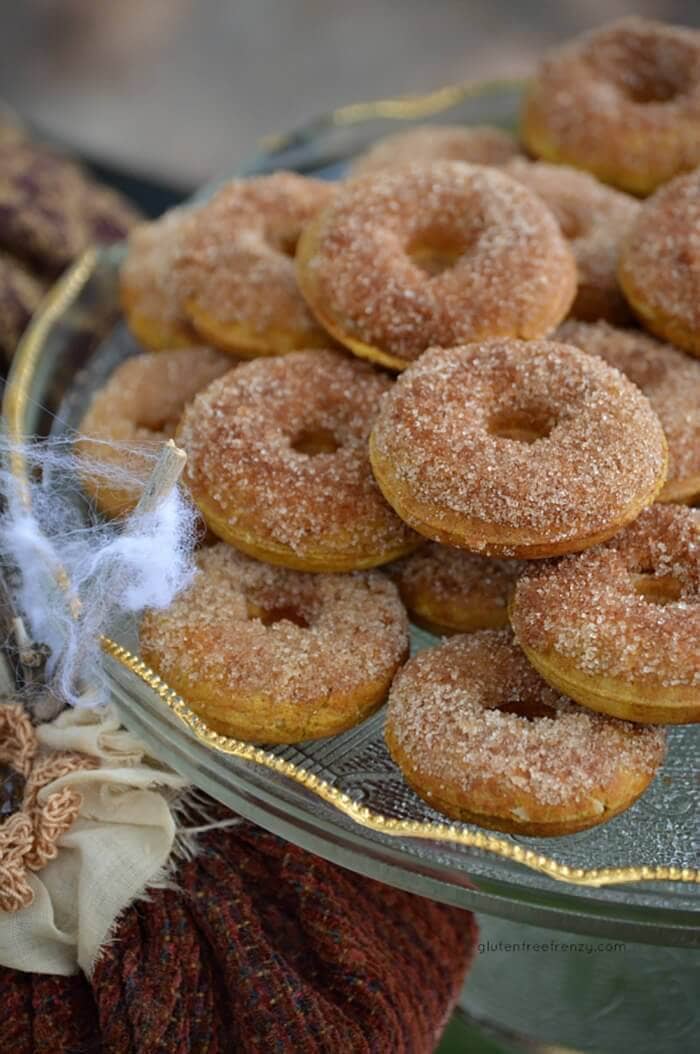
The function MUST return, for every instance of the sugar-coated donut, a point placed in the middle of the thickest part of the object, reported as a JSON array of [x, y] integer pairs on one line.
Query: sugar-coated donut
[[278, 463], [517, 448], [659, 268], [671, 382], [148, 295], [622, 102], [594, 218], [278, 656], [448, 590], [480, 144], [434, 254], [482, 738], [133, 414], [234, 272], [618, 627]]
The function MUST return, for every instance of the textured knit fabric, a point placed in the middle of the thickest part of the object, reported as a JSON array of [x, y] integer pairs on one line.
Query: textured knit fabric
[[50, 211], [263, 948]]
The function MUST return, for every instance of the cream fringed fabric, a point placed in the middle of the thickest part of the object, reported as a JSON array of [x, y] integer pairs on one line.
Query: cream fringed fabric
[[119, 843], [30, 828]]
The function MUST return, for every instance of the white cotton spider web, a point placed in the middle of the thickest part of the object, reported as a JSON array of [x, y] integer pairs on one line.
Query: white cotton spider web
[[72, 574]]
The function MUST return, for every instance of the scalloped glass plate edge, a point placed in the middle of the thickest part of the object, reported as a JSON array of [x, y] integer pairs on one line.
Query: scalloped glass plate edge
[[456, 834]]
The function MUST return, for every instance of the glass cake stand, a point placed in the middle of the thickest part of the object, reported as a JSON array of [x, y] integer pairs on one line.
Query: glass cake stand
[[589, 939]]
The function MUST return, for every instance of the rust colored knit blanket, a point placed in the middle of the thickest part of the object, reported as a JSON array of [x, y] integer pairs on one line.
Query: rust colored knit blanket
[[263, 948]]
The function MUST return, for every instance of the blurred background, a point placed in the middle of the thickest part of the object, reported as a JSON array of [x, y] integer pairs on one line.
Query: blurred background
[[180, 89]]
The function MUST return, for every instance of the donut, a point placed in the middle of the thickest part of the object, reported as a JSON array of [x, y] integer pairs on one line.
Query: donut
[[278, 656], [618, 627], [594, 219], [478, 144], [622, 102], [517, 448], [448, 590], [659, 268], [278, 463], [482, 738], [132, 414], [147, 292], [434, 254], [671, 382], [235, 269]]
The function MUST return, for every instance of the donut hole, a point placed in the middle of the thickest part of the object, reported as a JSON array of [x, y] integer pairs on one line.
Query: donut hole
[[657, 589], [313, 441], [522, 426], [432, 261], [650, 86], [287, 243], [433, 252], [570, 222], [647, 72], [530, 709], [162, 426], [277, 613]]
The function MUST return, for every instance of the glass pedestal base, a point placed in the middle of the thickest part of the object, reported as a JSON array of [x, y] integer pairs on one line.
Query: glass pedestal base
[[559, 990]]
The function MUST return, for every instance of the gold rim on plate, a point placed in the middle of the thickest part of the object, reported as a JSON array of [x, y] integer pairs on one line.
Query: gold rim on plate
[[401, 108]]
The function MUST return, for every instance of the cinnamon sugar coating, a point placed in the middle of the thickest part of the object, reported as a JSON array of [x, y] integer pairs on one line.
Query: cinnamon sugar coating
[[477, 729], [660, 263], [277, 458], [139, 408], [276, 644], [454, 591], [622, 102], [234, 271], [434, 254], [150, 302], [671, 382], [594, 608], [594, 219], [477, 144], [442, 444]]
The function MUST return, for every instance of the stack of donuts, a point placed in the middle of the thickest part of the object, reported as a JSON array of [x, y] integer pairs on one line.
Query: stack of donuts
[[460, 386]]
